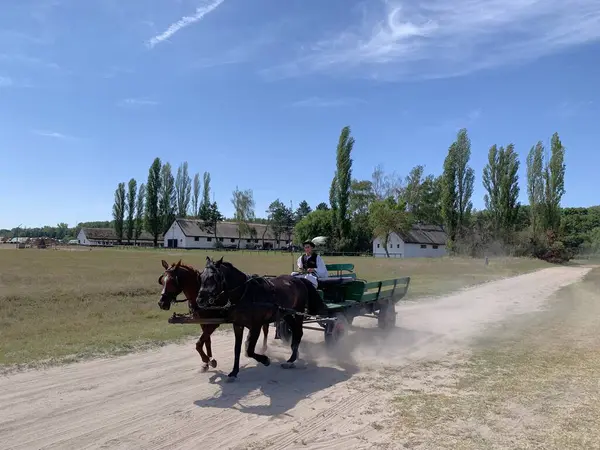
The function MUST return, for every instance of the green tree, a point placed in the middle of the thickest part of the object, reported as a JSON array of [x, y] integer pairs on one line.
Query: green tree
[[139, 212], [387, 217], [322, 206], [167, 201], [183, 190], [196, 196], [153, 187], [501, 182], [535, 189], [316, 223], [302, 211], [206, 188], [430, 209], [243, 207], [279, 218], [119, 211], [554, 181], [457, 186], [340, 188], [130, 208]]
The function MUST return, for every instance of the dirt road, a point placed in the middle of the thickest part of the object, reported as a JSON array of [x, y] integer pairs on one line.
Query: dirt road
[[161, 400]]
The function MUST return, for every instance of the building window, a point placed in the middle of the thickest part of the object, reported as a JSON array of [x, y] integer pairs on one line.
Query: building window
[[196, 238], [232, 240], [423, 246], [220, 239], [435, 247], [208, 239], [378, 245], [397, 245], [256, 241]]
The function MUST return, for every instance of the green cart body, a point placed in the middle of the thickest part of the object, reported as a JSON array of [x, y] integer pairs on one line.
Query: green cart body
[[346, 297]]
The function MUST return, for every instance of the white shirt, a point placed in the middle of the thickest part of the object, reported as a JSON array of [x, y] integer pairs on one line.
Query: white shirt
[[321, 270]]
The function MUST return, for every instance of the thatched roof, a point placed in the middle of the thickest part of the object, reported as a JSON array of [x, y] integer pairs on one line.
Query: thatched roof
[[425, 234], [228, 230], [109, 234]]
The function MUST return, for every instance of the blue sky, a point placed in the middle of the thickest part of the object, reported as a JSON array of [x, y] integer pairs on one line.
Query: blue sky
[[256, 92]]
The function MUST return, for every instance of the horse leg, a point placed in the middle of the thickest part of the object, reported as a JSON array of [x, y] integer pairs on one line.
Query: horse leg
[[239, 335], [265, 328], [204, 340], [199, 345], [295, 323], [252, 339], [207, 342]]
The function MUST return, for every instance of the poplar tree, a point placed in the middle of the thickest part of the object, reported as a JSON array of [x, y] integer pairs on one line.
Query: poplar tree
[[119, 211], [130, 205], [153, 186]]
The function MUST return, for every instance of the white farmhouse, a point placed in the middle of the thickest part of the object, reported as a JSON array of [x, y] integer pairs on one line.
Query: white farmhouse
[[422, 241], [191, 233], [107, 237]]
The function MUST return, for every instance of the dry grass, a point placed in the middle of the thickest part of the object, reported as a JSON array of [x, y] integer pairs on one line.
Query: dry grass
[[532, 384], [71, 304]]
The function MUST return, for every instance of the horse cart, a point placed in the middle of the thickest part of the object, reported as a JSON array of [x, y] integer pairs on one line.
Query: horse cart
[[345, 297]]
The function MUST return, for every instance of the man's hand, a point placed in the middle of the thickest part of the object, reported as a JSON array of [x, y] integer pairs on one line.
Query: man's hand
[[311, 270]]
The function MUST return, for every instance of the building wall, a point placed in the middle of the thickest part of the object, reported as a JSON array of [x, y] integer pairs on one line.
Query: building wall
[[397, 248], [416, 251], [208, 242]]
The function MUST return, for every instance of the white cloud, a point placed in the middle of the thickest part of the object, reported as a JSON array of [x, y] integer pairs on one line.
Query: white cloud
[[184, 22], [319, 102], [137, 102], [442, 38], [51, 134]]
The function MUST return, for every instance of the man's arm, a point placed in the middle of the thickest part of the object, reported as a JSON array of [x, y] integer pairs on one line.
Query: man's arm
[[321, 268], [299, 262]]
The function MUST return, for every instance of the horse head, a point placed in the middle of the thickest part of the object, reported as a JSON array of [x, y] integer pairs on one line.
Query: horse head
[[218, 280], [175, 280]]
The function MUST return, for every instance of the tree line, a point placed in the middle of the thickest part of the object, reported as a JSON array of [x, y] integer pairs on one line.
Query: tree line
[[359, 210]]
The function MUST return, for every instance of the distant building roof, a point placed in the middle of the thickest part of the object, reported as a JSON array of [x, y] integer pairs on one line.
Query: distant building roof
[[109, 234], [425, 234], [195, 228]]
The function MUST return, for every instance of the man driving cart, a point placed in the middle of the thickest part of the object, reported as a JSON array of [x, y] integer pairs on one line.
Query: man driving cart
[[311, 265]]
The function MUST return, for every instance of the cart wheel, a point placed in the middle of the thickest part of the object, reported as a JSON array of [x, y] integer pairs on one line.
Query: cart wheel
[[387, 316], [340, 328], [285, 332]]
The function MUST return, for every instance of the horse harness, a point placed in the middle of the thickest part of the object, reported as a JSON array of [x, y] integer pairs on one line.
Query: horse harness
[[177, 285]]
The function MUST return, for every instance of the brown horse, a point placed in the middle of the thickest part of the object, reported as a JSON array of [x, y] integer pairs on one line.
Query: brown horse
[[179, 278]]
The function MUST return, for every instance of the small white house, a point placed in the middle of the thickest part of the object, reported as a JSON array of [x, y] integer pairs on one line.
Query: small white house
[[191, 233], [422, 241]]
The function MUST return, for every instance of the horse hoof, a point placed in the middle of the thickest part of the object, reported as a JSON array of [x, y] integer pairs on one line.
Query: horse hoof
[[231, 378], [204, 368], [213, 363], [267, 361], [287, 365]]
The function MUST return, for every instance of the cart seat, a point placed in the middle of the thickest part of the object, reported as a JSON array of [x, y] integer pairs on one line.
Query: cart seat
[[325, 283]]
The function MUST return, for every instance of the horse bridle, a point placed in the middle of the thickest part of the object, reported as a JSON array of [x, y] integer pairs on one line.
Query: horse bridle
[[227, 292], [173, 295]]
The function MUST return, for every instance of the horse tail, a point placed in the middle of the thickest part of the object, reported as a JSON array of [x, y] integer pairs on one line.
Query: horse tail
[[315, 304]]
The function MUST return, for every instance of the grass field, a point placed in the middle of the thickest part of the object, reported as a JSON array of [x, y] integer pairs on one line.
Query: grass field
[[532, 383], [61, 305]]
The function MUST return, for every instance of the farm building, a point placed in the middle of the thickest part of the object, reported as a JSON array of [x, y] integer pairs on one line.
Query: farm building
[[108, 237], [422, 241], [190, 233]]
